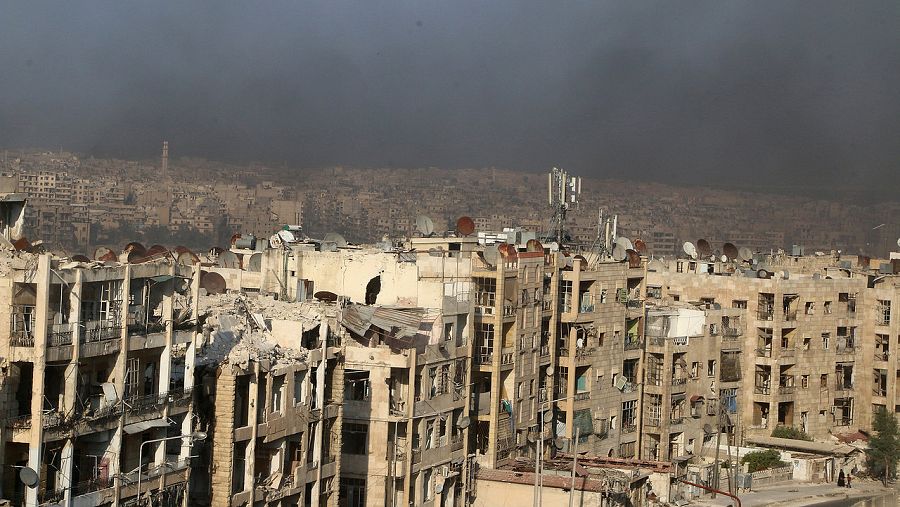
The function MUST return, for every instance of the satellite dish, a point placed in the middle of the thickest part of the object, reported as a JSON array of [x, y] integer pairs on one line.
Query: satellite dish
[[491, 254], [187, 258], [465, 226], [898, 242], [136, 247], [286, 236], [424, 225], [157, 251], [228, 259], [723, 258], [745, 253], [531, 438], [275, 241], [104, 254], [619, 253], [762, 273], [640, 246], [624, 243], [703, 248], [463, 422], [708, 429], [28, 476], [337, 239], [534, 245], [655, 265], [689, 249], [327, 296], [255, 263], [730, 251], [550, 370], [439, 484], [634, 258], [213, 282]]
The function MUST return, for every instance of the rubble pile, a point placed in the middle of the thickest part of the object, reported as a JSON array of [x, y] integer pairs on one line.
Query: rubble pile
[[235, 329]]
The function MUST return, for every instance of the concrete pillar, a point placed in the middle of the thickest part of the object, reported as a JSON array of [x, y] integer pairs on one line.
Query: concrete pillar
[[42, 304], [65, 467]]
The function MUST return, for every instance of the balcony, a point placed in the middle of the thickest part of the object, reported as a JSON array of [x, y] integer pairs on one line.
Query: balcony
[[507, 356], [629, 428], [881, 356], [761, 389], [730, 333], [582, 396], [22, 338], [545, 350], [676, 420], [633, 342], [456, 442], [764, 352]]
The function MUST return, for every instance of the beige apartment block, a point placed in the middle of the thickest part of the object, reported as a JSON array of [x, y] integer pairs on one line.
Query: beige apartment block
[[273, 377], [97, 379], [817, 350]]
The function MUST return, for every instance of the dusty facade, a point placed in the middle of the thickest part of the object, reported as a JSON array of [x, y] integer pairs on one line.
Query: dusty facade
[[98, 378]]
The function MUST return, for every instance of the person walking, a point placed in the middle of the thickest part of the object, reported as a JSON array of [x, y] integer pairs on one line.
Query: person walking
[[848, 480], [840, 481]]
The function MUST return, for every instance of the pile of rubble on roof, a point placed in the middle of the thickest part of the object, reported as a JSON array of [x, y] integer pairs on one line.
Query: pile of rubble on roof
[[235, 329]]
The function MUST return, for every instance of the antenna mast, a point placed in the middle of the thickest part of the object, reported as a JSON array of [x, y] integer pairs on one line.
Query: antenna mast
[[563, 192]]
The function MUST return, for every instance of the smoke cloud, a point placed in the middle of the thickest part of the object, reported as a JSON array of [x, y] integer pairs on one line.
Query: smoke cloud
[[756, 94]]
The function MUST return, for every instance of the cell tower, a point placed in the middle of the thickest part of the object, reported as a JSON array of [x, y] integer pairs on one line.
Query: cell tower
[[165, 161], [563, 192]]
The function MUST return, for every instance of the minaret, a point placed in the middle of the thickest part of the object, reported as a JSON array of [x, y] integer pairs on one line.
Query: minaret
[[165, 161]]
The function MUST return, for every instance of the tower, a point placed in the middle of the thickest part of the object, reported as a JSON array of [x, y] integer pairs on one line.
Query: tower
[[165, 160]]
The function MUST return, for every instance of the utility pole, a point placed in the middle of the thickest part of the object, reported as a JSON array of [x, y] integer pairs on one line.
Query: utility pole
[[574, 466], [718, 438]]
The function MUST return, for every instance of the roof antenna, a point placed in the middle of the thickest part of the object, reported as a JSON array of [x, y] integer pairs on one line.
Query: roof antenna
[[563, 192]]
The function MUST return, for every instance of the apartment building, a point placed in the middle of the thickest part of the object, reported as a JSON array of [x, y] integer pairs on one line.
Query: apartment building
[[818, 341], [272, 378], [96, 383]]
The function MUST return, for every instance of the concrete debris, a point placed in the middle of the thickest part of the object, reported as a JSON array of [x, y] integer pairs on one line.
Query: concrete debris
[[238, 329]]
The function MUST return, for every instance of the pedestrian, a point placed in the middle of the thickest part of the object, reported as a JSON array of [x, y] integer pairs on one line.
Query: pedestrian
[[848, 480], [841, 479]]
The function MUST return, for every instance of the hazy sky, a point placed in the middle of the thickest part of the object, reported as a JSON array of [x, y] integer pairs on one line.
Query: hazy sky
[[776, 92]]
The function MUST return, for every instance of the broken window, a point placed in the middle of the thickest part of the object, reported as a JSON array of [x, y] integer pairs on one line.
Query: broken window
[[354, 439], [883, 313], [356, 385], [629, 414]]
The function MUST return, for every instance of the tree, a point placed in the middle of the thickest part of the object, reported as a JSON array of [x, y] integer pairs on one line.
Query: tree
[[884, 447], [763, 460], [790, 432]]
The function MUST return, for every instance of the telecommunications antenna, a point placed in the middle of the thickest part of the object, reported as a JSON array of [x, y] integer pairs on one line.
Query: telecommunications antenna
[[337, 239], [424, 225], [689, 249]]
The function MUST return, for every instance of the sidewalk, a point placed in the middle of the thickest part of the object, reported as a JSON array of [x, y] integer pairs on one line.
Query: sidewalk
[[793, 494]]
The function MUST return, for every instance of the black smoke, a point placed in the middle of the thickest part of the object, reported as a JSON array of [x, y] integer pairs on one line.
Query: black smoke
[[761, 94]]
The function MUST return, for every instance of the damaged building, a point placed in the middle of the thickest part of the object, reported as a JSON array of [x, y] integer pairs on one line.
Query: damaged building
[[97, 380], [271, 374]]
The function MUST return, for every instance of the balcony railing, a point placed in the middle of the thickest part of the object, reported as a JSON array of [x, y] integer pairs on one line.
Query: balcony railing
[[674, 421], [764, 352], [679, 381], [632, 342], [785, 389], [22, 339], [90, 485], [730, 333], [629, 428], [19, 422], [60, 338], [788, 352], [761, 389], [881, 356], [545, 350], [582, 396], [99, 334]]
